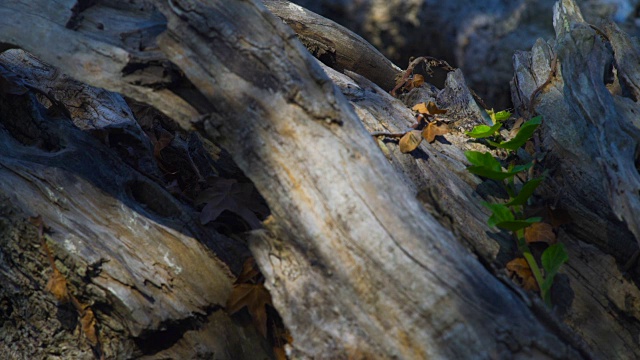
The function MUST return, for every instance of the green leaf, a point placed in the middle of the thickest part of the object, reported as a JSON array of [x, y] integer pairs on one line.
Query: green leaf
[[483, 159], [524, 134], [526, 192], [502, 115], [485, 165], [483, 131], [552, 258], [498, 116], [490, 174], [516, 225], [500, 213]]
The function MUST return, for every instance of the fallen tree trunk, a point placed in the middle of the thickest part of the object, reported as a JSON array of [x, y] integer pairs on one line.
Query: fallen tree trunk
[[356, 265]]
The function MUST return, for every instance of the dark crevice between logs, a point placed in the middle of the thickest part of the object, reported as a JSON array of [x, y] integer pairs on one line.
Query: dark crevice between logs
[[152, 342], [21, 116]]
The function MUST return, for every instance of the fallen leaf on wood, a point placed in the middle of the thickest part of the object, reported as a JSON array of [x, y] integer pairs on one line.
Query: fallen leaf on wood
[[540, 232], [249, 271], [255, 297], [88, 326], [530, 148], [416, 81], [228, 194], [57, 286], [516, 127], [521, 269], [432, 130], [410, 141], [161, 141], [430, 109]]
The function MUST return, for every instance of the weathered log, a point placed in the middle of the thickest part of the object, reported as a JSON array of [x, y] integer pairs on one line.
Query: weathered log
[[154, 277], [590, 276], [479, 36], [591, 129], [356, 265], [583, 85], [336, 46]]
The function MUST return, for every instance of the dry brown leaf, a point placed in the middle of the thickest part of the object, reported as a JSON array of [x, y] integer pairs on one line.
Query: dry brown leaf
[[410, 141], [432, 130], [57, 286], [88, 326], [228, 194], [279, 353], [430, 109], [255, 297], [249, 271], [521, 269], [530, 148], [540, 232], [417, 81], [516, 127], [161, 141]]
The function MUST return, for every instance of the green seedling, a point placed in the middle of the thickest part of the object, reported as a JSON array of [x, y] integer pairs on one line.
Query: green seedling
[[499, 116], [509, 216], [524, 134], [485, 165], [484, 131]]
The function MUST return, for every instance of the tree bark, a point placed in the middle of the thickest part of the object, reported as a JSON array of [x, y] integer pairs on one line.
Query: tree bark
[[357, 266], [479, 36]]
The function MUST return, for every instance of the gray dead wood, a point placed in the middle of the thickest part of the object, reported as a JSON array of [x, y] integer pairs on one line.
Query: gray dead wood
[[140, 258], [591, 133], [334, 45], [434, 172], [357, 267], [590, 126], [479, 36]]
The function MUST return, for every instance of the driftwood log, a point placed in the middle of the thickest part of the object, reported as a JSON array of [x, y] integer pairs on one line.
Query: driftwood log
[[367, 253]]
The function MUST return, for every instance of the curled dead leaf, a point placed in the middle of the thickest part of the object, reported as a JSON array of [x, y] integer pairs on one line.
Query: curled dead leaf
[[57, 286], [88, 326], [417, 80], [255, 297], [428, 108], [540, 232], [161, 140], [520, 268], [530, 148], [432, 130], [249, 271], [229, 194], [516, 127], [410, 141]]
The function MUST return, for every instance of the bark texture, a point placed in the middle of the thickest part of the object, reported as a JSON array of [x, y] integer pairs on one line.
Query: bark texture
[[366, 251], [127, 246], [479, 36]]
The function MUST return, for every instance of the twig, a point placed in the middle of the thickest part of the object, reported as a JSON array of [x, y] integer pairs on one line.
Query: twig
[[429, 62], [388, 134], [478, 99]]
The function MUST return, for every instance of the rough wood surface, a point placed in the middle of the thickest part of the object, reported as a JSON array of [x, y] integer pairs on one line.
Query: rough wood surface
[[479, 36], [336, 46], [590, 128], [357, 266], [141, 259], [434, 173]]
